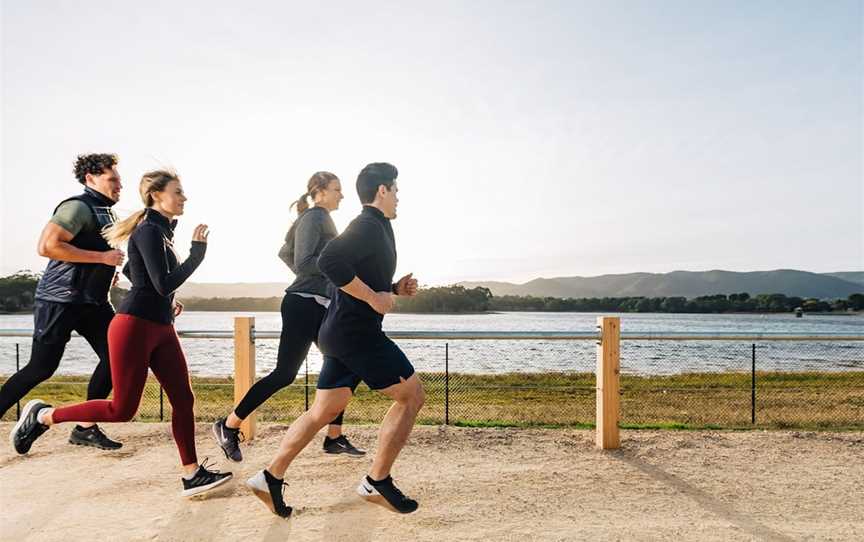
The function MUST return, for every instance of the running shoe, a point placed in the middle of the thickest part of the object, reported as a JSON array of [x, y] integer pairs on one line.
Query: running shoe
[[92, 436], [204, 480], [386, 494], [228, 439], [341, 445], [28, 428], [268, 488]]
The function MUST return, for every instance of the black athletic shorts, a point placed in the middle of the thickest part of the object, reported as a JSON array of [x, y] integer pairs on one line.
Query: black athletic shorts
[[379, 367]]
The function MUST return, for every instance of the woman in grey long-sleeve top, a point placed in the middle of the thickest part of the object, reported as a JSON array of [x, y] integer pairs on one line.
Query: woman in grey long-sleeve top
[[303, 309]]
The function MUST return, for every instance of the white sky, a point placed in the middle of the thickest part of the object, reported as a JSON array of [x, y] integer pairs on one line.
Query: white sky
[[532, 139]]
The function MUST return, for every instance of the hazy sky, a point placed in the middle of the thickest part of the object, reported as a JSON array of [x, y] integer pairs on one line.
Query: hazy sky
[[532, 138]]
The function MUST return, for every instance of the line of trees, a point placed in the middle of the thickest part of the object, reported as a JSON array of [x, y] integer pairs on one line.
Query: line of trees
[[16, 295], [720, 303]]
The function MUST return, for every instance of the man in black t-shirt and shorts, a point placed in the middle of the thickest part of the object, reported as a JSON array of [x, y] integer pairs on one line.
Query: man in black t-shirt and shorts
[[361, 263], [72, 294]]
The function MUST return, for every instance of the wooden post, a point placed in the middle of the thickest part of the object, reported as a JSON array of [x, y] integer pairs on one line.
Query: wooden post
[[608, 371], [244, 366]]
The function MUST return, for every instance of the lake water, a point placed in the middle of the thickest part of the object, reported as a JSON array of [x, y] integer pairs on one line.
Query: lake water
[[214, 357]]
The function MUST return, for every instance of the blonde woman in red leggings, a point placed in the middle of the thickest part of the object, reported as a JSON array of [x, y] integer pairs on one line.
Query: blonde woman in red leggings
[[142, 334]]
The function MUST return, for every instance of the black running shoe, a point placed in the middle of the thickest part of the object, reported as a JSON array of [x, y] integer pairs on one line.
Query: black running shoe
[[204, 480], [228, 439], [341, 445], [28, 428], [268, 488], [386, 494], [93, 436]]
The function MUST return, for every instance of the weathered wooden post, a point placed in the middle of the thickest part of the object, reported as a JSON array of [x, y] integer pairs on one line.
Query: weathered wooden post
[[244, 366], [608, 372]]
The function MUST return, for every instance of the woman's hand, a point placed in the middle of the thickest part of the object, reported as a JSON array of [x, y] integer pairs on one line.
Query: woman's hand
[[201, 233], [178, 308]]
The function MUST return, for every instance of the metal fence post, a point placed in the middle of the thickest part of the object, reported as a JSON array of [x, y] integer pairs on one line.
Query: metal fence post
[[753, 386], [17, 368], [306, 389], [161, 405], [446, 383]]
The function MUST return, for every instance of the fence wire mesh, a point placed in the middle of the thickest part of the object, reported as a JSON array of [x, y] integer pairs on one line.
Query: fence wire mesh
[[696, 383]]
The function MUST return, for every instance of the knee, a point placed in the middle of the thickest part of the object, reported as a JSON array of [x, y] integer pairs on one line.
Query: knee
[[42, 371], [415, 398], [124, 412], [282, 377], [419, 398], [325, 413]]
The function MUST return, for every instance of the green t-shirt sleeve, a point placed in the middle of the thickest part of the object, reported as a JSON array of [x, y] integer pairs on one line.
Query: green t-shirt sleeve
[[73, 216]]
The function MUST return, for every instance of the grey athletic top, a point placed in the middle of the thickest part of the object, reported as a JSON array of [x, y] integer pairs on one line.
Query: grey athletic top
[[304, 242]]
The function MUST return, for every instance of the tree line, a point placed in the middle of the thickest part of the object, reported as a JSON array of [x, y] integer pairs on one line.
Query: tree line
[[16, 295]]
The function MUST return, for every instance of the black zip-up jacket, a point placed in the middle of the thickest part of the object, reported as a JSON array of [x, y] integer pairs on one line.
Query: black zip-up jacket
[[307, 236], [154, 270], [367, 250], [82, 283]]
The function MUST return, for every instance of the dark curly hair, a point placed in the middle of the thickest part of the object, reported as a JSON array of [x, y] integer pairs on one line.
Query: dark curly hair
[[94, 164]]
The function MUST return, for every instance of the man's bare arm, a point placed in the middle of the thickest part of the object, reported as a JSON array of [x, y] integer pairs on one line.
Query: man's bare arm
[[54, 244], [382, 302]]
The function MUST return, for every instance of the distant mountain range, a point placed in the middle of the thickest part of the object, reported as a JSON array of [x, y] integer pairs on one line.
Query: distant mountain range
[[688, 284], [677, 283]]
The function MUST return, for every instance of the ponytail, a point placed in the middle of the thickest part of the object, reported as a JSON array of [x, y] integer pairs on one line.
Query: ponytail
[[152, 181], [302, 204], [117, 233], [316, 183]]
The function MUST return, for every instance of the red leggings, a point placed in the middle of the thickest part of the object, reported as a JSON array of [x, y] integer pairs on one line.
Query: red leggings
[[133, 345]]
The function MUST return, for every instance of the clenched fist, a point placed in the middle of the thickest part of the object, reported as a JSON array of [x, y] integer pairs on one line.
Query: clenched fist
[[113, 258]]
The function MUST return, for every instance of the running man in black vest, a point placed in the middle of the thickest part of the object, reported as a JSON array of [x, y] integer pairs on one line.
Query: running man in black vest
[[73, 292], [361, 263]]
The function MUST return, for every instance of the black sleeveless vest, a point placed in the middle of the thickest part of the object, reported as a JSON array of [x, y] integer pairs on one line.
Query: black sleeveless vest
[[82, 283]]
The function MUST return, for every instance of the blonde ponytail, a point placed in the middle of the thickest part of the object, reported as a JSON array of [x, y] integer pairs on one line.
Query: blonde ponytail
[[153, 181], [117, 233]]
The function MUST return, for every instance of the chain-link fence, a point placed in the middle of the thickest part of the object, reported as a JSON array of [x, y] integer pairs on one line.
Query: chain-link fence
[[818, 384], [666, 383]]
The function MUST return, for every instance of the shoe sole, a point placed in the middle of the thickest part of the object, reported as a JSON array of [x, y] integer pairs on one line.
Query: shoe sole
[[91, 445], [264, 496], [349, 454], [379, 499], [216, 436], [25, 412], [199, 490]]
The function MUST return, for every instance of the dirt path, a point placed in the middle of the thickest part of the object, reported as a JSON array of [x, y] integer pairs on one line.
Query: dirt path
[[472, 484]]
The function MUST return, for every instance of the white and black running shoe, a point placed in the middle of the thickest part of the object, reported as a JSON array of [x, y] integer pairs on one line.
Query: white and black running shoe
[[268, 488], [386, 494], [204, 480], [92, 436], [341, 445], [228, 439], [28, 428]]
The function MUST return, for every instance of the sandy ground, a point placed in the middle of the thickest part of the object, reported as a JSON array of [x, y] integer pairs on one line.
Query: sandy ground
[[472, 484]]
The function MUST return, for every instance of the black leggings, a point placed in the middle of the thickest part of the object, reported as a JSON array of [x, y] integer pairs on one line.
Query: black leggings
[[53, 325], [301, 318]]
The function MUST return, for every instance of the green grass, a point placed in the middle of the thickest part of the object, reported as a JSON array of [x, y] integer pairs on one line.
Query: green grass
[[800, 400]]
